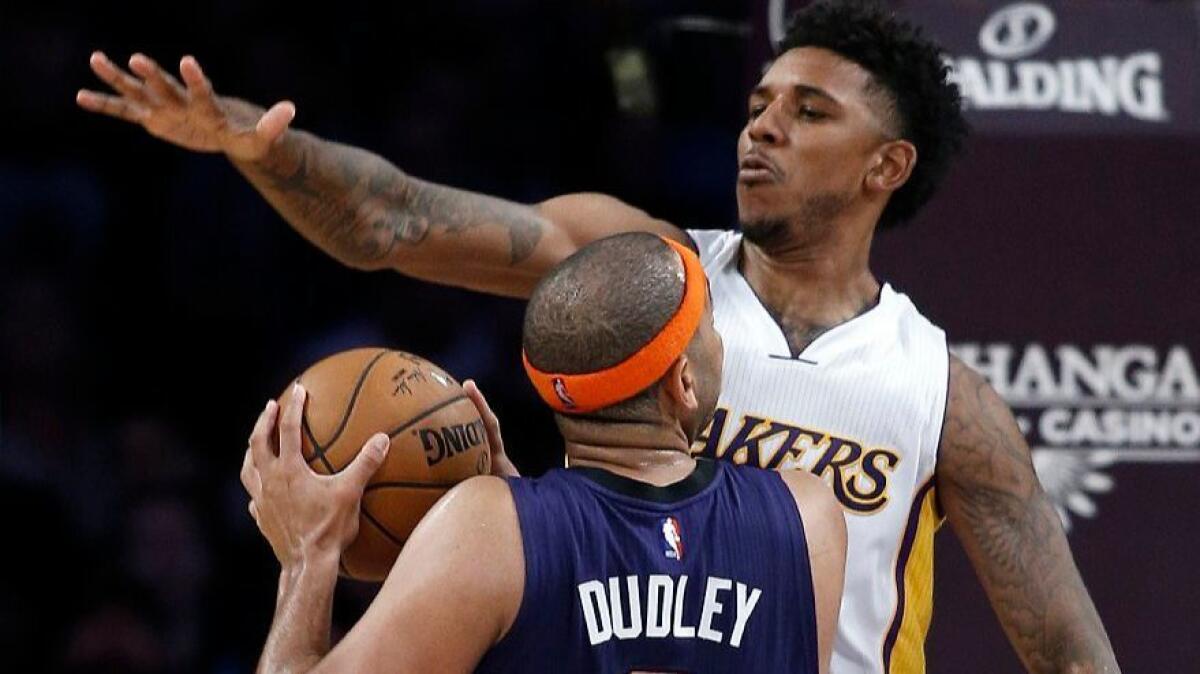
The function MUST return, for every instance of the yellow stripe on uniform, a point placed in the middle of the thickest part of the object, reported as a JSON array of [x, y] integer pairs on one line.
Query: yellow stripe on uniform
[[907, 654]]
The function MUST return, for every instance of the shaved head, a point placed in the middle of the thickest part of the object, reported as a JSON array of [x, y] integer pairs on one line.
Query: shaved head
[[602, 304]]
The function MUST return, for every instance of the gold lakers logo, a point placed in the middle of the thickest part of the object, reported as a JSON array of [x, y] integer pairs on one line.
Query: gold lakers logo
[[858, 476]]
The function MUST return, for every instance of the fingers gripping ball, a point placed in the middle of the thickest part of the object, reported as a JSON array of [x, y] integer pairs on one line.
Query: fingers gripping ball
[[438, 440]]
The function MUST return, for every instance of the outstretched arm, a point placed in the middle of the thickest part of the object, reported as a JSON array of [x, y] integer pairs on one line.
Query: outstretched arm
[[355, 205], [1013, 535]]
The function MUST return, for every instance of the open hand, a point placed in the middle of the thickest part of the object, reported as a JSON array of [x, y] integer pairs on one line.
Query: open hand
[[187, 114]]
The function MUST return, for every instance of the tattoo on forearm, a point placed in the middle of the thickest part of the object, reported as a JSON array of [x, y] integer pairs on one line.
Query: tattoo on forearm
[[295, 182], [320, 208], [429, 207], [1013, 536], [361, 208]]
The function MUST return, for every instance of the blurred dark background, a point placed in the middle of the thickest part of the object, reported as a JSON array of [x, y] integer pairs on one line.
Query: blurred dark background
[[150, 300]]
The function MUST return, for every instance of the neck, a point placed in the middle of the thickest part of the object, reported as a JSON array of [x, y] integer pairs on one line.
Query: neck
[[811, 278], [647, 452]]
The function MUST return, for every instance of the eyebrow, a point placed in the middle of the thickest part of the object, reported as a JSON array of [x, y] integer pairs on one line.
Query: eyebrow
[[801, 90]]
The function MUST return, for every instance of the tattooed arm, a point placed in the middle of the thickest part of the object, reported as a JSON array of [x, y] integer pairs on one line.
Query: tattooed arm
[[1013, 535], [368, 214], [355, 205]]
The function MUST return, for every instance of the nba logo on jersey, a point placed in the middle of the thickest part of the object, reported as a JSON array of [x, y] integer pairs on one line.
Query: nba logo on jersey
[[673, 533]]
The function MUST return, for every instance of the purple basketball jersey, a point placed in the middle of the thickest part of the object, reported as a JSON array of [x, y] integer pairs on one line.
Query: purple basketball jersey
[[709, 574]]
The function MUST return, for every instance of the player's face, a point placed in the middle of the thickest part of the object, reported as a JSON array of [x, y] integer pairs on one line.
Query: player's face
[[812, 129]]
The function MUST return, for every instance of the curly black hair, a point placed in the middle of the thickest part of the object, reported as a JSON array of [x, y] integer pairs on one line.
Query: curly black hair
[[910, 69]]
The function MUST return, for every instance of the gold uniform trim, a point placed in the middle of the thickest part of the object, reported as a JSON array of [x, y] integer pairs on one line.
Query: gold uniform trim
[[904, 644]]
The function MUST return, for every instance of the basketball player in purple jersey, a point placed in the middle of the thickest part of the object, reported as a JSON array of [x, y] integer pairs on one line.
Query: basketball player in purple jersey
[[828, 370], [637, 558]]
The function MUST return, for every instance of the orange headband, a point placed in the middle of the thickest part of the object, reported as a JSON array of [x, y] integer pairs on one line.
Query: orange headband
[[590, 391]]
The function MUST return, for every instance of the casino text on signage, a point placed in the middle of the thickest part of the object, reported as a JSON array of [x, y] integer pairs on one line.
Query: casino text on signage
[[1083, 409]]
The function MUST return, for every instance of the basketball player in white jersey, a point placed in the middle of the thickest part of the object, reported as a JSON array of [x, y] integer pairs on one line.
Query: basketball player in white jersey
[[851, 128]]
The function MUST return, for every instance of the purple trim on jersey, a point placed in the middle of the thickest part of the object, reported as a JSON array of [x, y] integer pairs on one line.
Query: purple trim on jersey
[[937, 501]]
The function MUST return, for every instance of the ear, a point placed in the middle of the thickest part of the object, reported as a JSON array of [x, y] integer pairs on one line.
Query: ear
[[679, 385], [893, 164]]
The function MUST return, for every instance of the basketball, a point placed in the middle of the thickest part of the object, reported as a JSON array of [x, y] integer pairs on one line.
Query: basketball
[[438, 440]]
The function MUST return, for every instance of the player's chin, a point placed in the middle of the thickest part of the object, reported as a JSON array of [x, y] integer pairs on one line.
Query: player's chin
[[757, 199], [757, 213]]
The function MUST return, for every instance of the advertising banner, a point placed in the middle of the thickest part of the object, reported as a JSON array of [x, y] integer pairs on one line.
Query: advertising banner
[[1063, 67]]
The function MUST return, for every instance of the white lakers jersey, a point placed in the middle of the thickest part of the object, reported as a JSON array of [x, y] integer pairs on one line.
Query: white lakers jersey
[[861, 407]]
